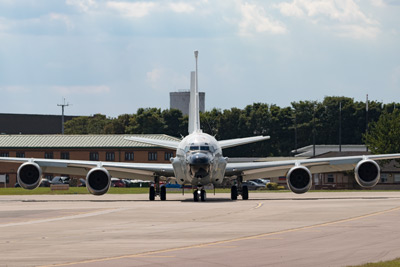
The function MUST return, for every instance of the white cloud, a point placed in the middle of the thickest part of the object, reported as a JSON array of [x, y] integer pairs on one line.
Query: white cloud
[[181, 7], [82, 5], [336, 15], [14, 89], [357, 31], [378, 3], [132, 10], [81, 90], [163, 79], [63, 18], [254, 20]]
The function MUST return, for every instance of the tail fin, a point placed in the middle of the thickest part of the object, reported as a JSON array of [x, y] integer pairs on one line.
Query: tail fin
[[194, 113]]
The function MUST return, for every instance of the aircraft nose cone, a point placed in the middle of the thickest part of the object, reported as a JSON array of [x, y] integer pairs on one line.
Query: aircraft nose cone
[[199, 159]]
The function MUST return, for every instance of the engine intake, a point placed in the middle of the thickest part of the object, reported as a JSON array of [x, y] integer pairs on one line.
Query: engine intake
[[29, 175], [98, 181], [299, 179], [367, 173]]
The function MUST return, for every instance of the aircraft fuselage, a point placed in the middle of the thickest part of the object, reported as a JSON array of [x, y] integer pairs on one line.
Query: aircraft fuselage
[[199, 160]]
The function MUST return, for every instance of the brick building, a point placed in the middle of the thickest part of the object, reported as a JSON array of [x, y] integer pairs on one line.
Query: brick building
[[79, 147]]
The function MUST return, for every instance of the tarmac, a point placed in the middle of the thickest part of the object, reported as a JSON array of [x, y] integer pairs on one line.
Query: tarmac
[[269, 229]]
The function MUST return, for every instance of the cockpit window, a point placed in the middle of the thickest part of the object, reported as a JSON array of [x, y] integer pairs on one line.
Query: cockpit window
[[201, 148]]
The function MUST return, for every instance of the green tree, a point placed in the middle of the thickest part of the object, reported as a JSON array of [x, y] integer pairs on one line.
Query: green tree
[[97, 123], [383, 136], [173, 123], [146, 121], [77, 125]]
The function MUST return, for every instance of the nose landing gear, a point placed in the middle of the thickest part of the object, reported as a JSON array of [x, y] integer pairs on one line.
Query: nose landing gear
[[199, 194]]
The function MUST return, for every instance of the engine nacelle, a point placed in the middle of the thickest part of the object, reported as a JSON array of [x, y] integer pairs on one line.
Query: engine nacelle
[[367, 173], [299, 179], [29, 175], [98, 181]]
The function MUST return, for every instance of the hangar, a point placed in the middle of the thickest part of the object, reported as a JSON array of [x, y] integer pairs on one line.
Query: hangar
[[79, 147]]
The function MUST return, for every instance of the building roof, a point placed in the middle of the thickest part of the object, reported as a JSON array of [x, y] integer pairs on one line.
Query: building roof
[[77, 141]]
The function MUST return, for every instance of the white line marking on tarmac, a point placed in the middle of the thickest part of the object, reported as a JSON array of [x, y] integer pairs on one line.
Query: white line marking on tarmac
[[77, 216]]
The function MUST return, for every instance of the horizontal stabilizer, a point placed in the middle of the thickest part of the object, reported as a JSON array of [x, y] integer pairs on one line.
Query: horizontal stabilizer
[[241, 141], [155, 142]]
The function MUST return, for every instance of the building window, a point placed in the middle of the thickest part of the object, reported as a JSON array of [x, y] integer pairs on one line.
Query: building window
[[48, 176], [168, 155], [94, 156], [64, 155], [48, 155], [4, 154], [110, 156], [397, 178], [152, 156], [331, 179], [384, 177], [129, 156], [20, 154]]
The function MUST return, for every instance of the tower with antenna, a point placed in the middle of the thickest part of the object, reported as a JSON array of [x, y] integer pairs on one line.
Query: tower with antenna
[[63, 105]]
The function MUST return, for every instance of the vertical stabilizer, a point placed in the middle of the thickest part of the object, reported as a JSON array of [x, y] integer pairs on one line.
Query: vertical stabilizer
[[194, 115]]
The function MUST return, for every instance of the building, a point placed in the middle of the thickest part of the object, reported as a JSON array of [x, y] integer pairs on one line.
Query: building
[[180, 100], [31, 123], [79, 147]]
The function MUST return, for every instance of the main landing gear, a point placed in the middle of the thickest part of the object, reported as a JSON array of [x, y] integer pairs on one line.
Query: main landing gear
[[157, 190], [239, 189]]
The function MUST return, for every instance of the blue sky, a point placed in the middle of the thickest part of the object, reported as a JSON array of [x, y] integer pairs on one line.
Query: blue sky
[[113, 57]]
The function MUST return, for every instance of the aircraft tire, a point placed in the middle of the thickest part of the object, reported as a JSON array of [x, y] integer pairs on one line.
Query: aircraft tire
[[195, 196], [203, 195], [163, 193], [234, 192], [245, 192], [152, 193]]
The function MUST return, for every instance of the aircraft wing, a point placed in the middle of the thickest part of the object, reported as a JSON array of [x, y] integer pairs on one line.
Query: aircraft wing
[[241, 141], [142, 171], [162, 143], [251, 170]]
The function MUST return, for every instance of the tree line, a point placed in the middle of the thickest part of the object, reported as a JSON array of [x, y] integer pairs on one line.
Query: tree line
[[301, 124]]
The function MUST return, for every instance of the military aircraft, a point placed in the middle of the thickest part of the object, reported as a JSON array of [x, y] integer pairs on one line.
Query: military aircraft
[[199, 162]]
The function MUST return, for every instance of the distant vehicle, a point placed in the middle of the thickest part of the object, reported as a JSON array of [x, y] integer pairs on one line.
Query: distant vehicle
[[45, 183], [83, 182], [60, 180], [173, 185], [261, 181], [116, 182], [251, 185]]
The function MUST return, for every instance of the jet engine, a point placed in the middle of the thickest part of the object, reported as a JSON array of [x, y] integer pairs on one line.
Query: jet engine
[[29, 175], [367, 173], [299, 179], [98, 181]]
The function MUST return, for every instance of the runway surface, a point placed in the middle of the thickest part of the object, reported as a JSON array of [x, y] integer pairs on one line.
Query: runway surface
[[270, 229]]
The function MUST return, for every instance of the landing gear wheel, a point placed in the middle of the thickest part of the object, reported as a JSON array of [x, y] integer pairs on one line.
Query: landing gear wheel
[[195, 196], [152, 193], [163, 193], [203, 195], [234, 192], [245, 192]]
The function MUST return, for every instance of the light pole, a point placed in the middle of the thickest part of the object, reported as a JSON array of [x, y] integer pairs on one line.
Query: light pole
[[62, 114]]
